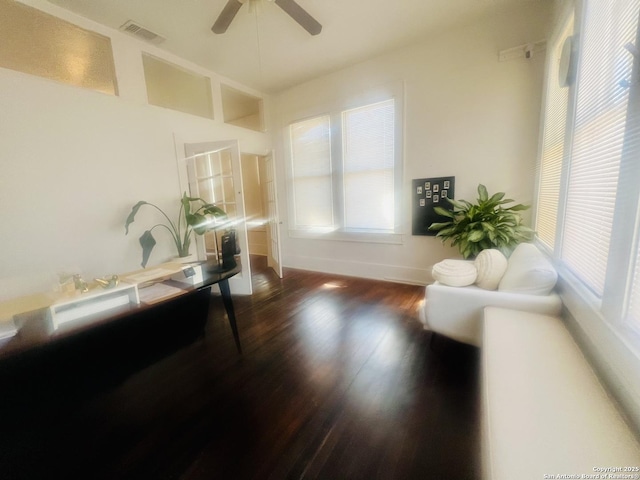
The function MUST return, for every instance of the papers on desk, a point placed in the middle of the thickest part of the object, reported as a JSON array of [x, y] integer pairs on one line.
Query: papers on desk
[[151, 274], [158, 292]]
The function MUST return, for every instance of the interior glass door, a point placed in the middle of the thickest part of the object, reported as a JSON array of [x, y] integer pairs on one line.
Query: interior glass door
[[215, 176]]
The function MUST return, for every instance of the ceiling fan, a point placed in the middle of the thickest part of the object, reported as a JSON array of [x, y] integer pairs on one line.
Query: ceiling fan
[[290, 7]]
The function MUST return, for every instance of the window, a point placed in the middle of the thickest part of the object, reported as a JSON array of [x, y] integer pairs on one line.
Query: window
[[311, 159], [598, 136], [368, 165], [553, 138], [345, 169], [589, 176], [633, 315]]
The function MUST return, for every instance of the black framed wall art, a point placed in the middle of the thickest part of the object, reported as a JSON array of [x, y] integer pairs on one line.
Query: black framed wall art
[[428, 193]]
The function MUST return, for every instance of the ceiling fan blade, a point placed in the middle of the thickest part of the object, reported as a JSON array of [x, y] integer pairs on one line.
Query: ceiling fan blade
[[300, 15], [226, 16]]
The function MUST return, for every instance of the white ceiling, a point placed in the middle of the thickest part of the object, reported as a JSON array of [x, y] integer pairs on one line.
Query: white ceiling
[[266, 50]]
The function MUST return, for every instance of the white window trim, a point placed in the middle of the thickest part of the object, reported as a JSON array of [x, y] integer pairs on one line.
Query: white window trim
[[599, 324], [372, 95]]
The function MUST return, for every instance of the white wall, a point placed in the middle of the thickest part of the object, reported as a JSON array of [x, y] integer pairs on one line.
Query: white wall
[[74, 161], [466, 114]]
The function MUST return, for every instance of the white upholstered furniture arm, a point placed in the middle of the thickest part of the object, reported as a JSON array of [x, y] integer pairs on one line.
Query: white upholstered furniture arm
[[457, 312]]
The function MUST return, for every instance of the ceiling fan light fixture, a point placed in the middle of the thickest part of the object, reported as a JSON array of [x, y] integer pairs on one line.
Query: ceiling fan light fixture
[[300, 15], [227, 15], [290, 7]]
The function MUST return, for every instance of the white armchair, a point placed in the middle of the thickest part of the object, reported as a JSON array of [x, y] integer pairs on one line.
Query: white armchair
[[526, 284]]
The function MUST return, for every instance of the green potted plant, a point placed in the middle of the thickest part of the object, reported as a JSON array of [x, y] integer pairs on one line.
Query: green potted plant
[[485, 224], [195, 215]]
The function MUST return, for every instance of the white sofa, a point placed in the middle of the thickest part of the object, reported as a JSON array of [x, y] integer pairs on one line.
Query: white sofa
[[524, 282], [545, 413]]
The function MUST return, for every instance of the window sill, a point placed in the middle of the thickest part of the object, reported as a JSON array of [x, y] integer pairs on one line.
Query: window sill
[[613, 348], [340, 236]]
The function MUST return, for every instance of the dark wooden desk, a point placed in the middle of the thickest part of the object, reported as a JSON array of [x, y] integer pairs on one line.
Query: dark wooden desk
[[101, 350]]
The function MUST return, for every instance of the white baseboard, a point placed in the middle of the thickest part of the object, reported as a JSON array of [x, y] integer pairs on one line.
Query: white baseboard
[[376, 271]]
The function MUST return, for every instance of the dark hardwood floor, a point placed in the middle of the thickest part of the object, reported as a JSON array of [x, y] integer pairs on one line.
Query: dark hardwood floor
[[337, 381]]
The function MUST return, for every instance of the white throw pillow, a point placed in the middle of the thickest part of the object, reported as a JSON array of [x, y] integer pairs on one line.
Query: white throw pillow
[[528, 271], [455, 273], [491, 265]]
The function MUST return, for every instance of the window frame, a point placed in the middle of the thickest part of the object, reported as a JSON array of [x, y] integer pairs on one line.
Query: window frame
[[335, 111], [600, 323], [624, 242]]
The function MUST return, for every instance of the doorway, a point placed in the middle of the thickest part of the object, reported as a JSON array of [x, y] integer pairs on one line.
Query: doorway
[[258, 179], [214, 173]]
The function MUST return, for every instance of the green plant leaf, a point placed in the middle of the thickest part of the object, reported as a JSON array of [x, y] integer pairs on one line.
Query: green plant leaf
[[439, 226], [496, 197], [186, 204], [446, 232], [211, 209], [198, 222], [482, 193], [459, 205], [488, 226], [444, 212], [147, 242], [132, 215], [519, 207], [475, 236]]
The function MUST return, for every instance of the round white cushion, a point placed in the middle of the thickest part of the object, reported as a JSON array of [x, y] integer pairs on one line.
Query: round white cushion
[[455, 273], [491, 265]]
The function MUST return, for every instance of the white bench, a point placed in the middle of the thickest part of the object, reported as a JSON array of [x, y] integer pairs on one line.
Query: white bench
[[544, 410]]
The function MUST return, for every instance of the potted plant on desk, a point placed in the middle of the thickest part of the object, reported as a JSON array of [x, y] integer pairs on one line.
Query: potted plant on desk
[[195, 215]]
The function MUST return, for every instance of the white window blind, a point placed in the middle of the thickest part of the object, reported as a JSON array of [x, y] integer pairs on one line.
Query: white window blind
[[601, 107], [346, 169], [312, 176], [634, 304], [553, 143], [368, 167]]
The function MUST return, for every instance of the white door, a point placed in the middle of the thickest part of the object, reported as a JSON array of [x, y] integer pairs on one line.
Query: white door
[[273, 225], [215, 175]]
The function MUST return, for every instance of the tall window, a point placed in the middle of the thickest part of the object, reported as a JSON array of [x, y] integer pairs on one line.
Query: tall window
[[598, 136], [312, 173], [597, 207], [553, 137], [368, 164], [346, 171], [633, 314]]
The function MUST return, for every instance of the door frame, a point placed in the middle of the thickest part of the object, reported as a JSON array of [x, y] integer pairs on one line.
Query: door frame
[[241, 283]]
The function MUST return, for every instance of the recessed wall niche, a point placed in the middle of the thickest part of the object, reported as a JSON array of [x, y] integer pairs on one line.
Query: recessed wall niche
[[40, 44], [174, 87], [241, 109]]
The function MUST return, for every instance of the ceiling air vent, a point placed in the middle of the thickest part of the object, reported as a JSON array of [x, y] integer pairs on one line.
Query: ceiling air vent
[[139, 31]]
